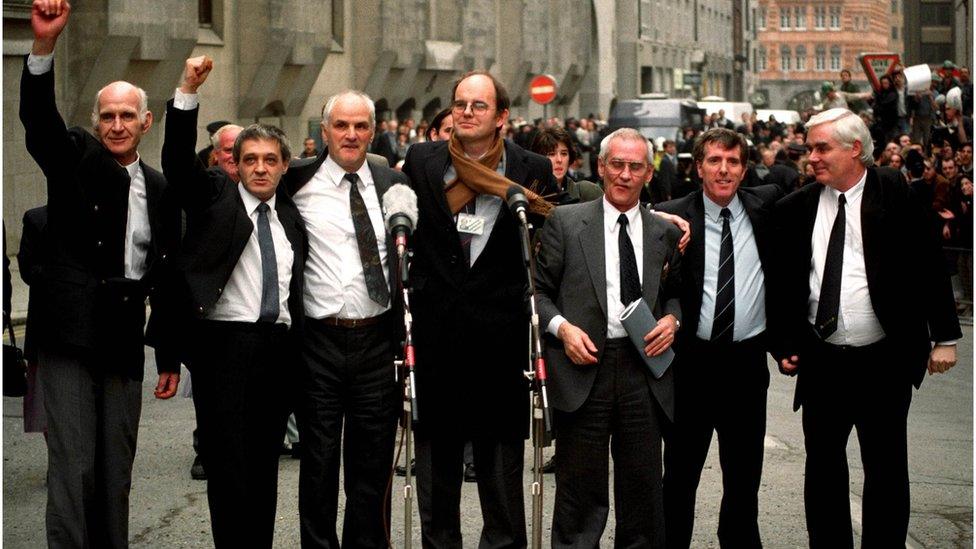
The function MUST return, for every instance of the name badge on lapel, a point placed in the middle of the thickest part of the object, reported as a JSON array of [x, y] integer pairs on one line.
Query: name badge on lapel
[[470, 224]]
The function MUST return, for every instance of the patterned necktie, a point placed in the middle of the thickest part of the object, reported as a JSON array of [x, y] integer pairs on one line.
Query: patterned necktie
[[466, 238], [724, 319], [369, 252], [630, 289], [829, 304], [270, 306]]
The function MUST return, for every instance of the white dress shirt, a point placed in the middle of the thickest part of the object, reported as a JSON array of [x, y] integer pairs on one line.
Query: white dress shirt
[[335, 284], [611, 247], [750, 293], [240, 300], [857, 325], [138, 234]]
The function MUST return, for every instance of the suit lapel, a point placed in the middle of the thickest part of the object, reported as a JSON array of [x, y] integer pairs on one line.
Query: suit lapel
[[243, 226], [654, 264], [436, 164], [154, 191], [872, 231], [592, 243]]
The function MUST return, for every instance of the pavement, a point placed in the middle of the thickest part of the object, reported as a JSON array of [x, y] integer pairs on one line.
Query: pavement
[[168, 509]]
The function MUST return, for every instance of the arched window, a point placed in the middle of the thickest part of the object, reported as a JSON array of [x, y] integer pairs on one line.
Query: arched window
[[784, 59], [801, 58]]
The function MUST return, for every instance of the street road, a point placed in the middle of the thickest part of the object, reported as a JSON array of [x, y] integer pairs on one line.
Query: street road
[[168, 509]]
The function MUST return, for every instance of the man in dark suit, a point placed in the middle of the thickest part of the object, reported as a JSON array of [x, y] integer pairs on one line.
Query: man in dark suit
[[112, 226], [470, 321], [720, 372], [666, 175], [350, 398], [595, 259], [240, 284], [859, 337]]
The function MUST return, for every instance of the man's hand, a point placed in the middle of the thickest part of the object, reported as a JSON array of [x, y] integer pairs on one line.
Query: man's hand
[[680, 223], [196, 72], [662, 336], [166, 387], [48, 18], [942, 358], [578, 346], [789, 366]]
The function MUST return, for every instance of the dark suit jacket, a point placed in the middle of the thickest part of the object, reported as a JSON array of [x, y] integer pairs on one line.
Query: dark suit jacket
[[30, 261], [910, 290], [571, 281], [758, 203], [91, 308], [218, 227], [664, 180], [471, 323]]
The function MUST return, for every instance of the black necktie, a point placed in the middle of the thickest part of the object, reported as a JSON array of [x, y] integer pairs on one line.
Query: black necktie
[[724, 321], [369, 252], [466, 238], [270, 306], [829, 304], [630, 290]]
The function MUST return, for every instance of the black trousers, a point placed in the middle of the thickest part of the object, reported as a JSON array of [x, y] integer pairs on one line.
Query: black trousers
[[242, 376], [720, 388], [620, 413], [347, 382], [440, 468], [863, 388]]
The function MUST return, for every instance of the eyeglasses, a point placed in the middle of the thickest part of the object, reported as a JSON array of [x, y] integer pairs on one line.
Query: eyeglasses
[[615, 165], [477, 107]]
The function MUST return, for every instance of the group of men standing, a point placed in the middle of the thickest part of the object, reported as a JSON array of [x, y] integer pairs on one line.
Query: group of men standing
[[282, 288]]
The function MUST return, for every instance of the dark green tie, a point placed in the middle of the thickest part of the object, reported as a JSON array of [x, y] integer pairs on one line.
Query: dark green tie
[[369, 252]]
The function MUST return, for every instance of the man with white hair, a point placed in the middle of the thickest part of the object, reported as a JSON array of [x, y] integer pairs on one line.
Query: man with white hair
[[112, 225], [862, 308]]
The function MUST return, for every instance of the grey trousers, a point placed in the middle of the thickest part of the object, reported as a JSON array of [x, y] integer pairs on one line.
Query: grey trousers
[[93, 420]]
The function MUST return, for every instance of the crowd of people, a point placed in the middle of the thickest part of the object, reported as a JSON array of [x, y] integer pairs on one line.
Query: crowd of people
[[273, 278]]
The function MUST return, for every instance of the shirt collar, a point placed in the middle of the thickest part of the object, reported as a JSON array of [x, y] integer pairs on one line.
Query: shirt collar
[[252, 202], [336, 172], [851, 195], [611, 214], [714, 211], [133, 168]]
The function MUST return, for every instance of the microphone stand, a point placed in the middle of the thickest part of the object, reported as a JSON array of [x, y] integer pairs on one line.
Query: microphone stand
[[410, 410], [541, 414]]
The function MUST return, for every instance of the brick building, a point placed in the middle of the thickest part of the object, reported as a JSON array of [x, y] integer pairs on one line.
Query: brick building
[[802, 43]]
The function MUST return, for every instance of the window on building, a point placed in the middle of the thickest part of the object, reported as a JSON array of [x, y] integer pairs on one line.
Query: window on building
[[820, 59], [338, 23], [800, 17], [894, 33], [801, 58], [784, 18], [761, 19], [761, 59], [784, 59], [205, 13], [835, 58], [835, 17], [894, 6], [819, 17]]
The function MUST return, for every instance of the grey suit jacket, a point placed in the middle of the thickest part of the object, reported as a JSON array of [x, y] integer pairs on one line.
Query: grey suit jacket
[[571, 281]]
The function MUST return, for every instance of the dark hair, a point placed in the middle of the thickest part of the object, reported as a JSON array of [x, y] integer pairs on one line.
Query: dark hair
[[263, 132], [548, 139], [724, 138], [435, 124], [667, 143], [502, 101]]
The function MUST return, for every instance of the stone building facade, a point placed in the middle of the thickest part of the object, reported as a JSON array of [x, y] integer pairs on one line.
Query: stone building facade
[[276, 61], [804, 42]]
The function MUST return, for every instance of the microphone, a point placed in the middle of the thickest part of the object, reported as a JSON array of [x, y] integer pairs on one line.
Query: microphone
[[400, 207], [517, 203]]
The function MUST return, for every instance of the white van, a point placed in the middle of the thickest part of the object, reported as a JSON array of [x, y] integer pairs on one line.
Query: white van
[[733, 109]]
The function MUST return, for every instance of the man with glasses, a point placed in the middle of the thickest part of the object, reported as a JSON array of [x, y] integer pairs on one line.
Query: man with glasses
[[595, 259], [471, 326]]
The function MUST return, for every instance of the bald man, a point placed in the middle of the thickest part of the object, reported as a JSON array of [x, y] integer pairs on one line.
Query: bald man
[[112, 225]]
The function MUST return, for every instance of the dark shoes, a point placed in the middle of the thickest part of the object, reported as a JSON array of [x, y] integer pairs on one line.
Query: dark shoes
[[401, 471], [469, 473], [196, 470]]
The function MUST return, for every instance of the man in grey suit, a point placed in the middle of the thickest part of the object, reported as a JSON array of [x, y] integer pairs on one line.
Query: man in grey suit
[[596, 258]]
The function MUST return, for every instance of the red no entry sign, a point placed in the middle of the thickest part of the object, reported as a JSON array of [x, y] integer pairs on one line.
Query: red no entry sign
[[542, 89]]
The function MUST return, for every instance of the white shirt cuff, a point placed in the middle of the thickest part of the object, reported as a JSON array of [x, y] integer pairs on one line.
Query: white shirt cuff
[[950, 342], [185, 101], [40, 64], [554, 324]]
